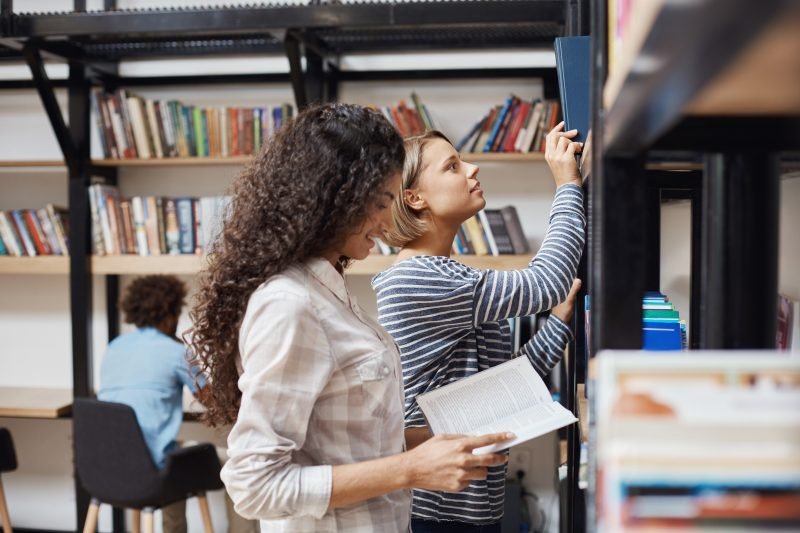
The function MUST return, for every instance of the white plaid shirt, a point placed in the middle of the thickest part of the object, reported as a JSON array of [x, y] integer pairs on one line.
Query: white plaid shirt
[[320, 383]]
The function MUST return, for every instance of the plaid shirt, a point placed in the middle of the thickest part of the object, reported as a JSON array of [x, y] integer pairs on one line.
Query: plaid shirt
[[320, 383]]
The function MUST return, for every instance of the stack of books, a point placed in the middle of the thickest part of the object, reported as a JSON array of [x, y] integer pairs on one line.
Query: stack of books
[[153, 225], [701, 441], [409, 120], [490, 232], [662, 327], [34, 232], [131, 127], [515, 126]]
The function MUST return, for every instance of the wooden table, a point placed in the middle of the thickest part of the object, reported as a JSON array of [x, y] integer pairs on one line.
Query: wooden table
[[32, 402]]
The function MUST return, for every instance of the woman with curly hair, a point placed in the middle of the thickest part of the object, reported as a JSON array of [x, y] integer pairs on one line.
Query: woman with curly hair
[[310, 383]]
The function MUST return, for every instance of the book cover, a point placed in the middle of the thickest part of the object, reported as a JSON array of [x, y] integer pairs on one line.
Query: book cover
[[573, 66]]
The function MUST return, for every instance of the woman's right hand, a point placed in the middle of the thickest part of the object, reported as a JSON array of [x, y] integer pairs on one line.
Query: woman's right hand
[[446, 462], [560, 153]]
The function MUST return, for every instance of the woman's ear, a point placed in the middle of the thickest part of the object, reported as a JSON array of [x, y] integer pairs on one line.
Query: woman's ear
[[413, 200]]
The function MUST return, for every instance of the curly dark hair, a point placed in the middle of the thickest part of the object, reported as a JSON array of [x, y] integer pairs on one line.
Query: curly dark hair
[[306, 191], [149, 300]]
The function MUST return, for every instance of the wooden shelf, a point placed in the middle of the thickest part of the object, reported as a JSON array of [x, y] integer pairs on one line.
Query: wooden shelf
[[378, 263], [51, 264], [34, 402], [191, 264], [241, 160], [23, 163], [158, 264], [490, 157], [173, 162]]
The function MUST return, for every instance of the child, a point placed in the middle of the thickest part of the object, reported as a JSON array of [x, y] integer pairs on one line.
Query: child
[[147, 369], [449, 319], [311, 383]]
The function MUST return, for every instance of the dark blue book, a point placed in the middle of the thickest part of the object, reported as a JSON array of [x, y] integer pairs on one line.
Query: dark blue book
[[573, 65]]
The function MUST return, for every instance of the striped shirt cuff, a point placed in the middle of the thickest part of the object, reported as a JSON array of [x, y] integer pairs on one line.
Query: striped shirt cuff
[[316, 483], [561, 329]]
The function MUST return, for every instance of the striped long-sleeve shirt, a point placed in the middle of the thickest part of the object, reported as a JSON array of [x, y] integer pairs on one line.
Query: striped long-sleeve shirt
[[449, 322]]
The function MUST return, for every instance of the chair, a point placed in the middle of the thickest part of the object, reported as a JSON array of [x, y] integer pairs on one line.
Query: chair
[[115, 467], [8, 463]]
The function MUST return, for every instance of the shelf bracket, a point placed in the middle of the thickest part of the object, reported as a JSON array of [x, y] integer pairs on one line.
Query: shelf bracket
[[318, 83], [47, 94]]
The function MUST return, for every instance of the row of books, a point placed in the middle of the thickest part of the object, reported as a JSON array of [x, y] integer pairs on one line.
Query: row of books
[[131, 127], [700, 441], [490, 232], [662, 327], [34, 232], [153, 225], [515, 126], [788, 337], [409, 121]]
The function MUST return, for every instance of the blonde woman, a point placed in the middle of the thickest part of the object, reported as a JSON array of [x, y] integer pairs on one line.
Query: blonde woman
[[449, 319]]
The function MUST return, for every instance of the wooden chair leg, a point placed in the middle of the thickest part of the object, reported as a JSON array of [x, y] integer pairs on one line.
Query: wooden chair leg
[[90, 526], [203, 501], [136, 520], [4, 518], [149, 520]]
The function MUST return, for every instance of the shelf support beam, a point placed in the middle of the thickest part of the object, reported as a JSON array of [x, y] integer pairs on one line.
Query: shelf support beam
[[618, 279], [740, 250], [47, 95]]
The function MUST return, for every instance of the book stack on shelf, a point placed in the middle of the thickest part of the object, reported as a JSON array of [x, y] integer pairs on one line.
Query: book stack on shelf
[[150, 225], [132, 127], [702, 442], [515, 126], [409, 121], [34, 232], [788, 338], [491, 232], [662, 327]]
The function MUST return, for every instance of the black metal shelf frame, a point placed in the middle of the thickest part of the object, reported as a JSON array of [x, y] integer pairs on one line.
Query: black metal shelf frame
[[735, 201], [93, 43]]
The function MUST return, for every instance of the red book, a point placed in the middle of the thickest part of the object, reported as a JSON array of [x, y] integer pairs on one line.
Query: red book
[[36, 232], [516, 125]]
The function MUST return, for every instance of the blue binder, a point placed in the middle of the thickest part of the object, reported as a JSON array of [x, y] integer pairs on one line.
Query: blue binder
[[573, 65]]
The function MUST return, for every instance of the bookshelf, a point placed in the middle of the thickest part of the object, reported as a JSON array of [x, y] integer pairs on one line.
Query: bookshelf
[[54, 264], [31, 163], [241, 160], [696, 80], [322, 33]]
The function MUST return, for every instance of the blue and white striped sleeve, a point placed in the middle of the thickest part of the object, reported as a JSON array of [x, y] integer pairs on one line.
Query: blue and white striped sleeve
[[546, 348], [546, 281]]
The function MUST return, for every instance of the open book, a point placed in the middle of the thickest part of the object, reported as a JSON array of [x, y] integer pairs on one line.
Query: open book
[[508, 397]]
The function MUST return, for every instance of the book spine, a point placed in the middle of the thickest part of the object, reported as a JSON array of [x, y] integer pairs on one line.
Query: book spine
[[498, 124], [36, 232], [126, 218], [173, 233], [515, 232], [138, 204], [487, 232], [27, 242], [10, 238], [60, 220], [49, 231], [185, 213]]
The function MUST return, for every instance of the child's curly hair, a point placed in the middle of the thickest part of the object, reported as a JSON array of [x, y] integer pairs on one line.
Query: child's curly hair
[[149, 300]]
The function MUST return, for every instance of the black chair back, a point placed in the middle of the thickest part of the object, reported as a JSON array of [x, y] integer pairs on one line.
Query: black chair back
[[111, 455], [8, 456]]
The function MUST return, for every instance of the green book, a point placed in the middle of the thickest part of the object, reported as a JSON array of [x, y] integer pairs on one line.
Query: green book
[[661, 313]]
